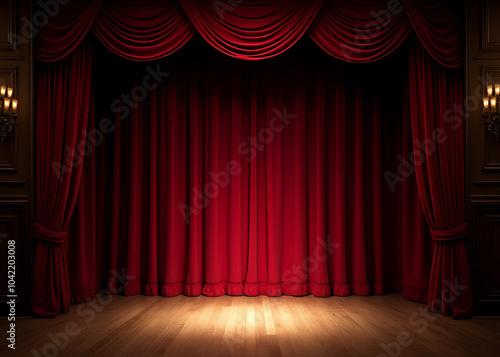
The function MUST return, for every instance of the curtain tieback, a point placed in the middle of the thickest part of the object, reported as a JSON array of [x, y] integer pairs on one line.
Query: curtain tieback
[[48, 235], [450, 234]]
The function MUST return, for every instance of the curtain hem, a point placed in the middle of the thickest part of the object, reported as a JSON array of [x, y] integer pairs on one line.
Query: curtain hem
[[253, 289], [79, 296]]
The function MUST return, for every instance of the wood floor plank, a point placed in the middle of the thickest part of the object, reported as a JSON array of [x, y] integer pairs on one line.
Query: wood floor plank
[[216, 343], [268, 317]]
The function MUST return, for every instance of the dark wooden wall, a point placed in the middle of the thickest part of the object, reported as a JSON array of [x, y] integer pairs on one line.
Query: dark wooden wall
[[483, 154], [16, 152]]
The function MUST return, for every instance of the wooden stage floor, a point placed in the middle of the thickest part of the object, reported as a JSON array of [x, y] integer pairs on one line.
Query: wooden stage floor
[[387, 325]]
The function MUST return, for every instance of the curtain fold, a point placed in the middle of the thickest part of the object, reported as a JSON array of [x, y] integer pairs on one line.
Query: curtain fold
[[439, 28], [252, 30], [65, 31], [360, 31], [62, 115], [438, 139], [142, 31]]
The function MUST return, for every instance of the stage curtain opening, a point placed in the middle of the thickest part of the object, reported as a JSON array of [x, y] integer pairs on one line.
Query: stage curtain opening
[[354, 31], [251, 178]]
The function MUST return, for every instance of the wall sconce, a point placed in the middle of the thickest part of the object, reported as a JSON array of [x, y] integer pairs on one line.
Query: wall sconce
[[491, 115], [8, 111]]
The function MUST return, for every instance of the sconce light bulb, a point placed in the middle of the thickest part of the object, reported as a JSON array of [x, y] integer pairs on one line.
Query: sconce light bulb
[[486, 103], [489, 90]]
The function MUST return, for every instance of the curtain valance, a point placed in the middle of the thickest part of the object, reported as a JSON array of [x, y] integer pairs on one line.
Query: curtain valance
[[357, 31]]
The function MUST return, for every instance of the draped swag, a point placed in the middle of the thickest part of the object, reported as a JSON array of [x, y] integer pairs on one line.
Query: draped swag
[[353, 31]]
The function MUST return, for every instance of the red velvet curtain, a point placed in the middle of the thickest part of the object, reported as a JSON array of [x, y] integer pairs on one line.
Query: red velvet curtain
[[257, 32], [438, 128], [62, 115]]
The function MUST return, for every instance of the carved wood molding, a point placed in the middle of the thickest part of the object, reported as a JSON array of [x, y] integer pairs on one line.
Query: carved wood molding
[[7, 41], [490, 13], [485, 227]]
